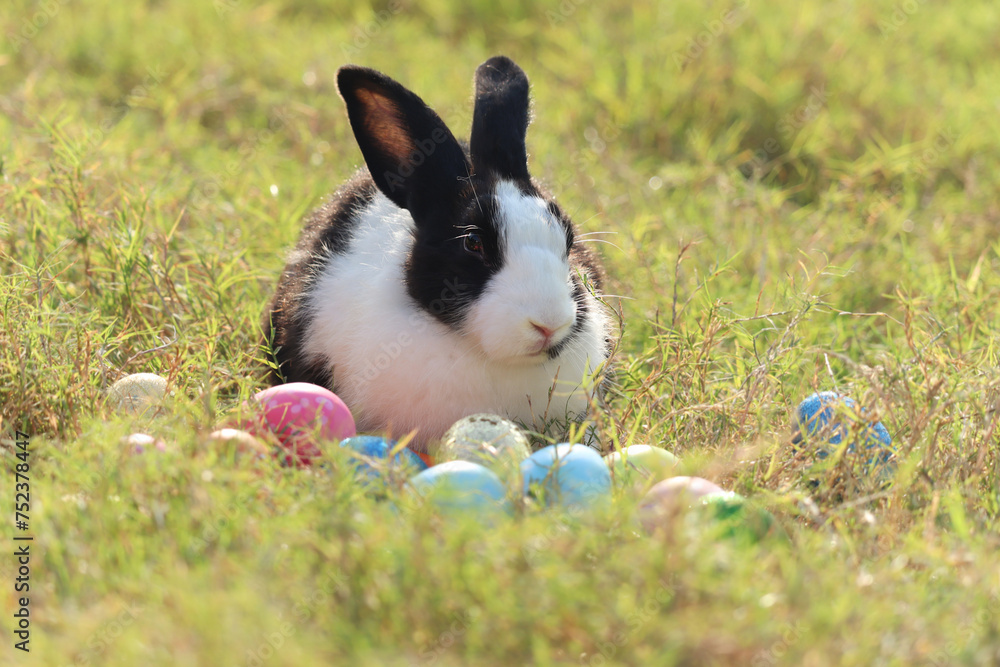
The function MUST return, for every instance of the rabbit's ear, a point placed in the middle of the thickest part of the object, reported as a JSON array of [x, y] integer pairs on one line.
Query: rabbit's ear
[[500, 120], [412, 155]]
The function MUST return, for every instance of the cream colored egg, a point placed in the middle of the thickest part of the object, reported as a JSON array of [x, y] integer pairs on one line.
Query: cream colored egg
[[137, 393], [241, 442], [641, 465]]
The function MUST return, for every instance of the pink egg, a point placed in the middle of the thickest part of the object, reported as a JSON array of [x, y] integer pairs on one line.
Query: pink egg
[[137, 443], [302, 415], [687, 488], [670, 497]]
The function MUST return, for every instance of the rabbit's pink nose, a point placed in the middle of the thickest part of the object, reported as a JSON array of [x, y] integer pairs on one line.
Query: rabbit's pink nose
[[546, 332]]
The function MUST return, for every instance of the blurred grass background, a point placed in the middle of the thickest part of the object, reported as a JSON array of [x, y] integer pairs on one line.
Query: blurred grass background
[[801, 196]]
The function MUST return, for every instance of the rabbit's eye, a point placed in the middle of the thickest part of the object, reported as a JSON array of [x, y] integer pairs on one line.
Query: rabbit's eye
[[474, 244]]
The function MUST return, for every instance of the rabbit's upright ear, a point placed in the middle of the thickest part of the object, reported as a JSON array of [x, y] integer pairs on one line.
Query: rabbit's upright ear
[[500, 120], [413, 157]]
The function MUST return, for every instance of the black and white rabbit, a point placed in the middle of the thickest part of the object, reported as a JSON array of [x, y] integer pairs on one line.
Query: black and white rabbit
[[440, 281]]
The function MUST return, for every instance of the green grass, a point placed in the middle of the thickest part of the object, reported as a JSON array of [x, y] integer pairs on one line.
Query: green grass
[[802, 196]]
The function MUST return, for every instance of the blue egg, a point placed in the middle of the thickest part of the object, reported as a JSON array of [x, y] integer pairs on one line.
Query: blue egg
[[456, 487], [825, 417], [571, 476], [372, 456]]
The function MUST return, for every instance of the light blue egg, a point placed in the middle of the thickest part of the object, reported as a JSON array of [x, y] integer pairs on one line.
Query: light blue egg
[[571, 476], [371, 458], [820, 418], [461, 487]]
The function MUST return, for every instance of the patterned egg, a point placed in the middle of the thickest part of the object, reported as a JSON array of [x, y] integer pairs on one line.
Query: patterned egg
[[372, 456], [570, 476], [488, 440], [824, 414], [302, 416], [734, 517], [825, 418]]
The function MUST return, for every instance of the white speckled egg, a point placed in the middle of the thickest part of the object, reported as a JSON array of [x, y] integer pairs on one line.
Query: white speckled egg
[[489, 440]]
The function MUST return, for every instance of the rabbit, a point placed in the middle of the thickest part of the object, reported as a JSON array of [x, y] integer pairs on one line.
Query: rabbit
[[441, 281]]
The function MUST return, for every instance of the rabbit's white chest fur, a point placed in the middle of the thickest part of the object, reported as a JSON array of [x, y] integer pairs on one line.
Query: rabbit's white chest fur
[[400, 369]]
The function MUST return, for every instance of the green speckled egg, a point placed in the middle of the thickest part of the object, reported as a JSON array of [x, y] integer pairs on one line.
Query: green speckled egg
[[488, 440], [735, 517]]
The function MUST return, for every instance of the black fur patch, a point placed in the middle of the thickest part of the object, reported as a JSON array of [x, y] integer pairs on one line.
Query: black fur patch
[[411, 154], [582, 311], [328, 232], [441, 275], [586, 271], [500, 119]]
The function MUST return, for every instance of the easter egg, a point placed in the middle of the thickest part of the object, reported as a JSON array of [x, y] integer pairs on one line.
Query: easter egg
[[694, 504], [730, 515], [137, 393], [639, 465], [683, 489], [241, 442], [825, 418], [302, 415], [372, 456], [671, 497], [456, 487], [570, 476], [488, 440], [139, 443]]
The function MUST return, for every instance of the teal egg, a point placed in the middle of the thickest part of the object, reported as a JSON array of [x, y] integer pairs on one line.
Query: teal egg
[[458, 487], [371, 457], [570, 476]]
